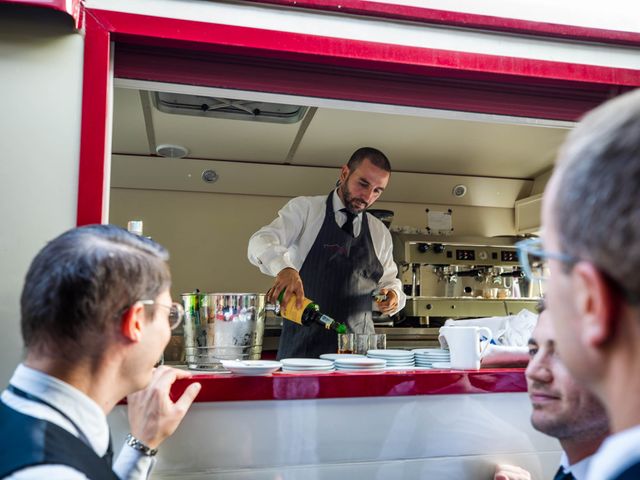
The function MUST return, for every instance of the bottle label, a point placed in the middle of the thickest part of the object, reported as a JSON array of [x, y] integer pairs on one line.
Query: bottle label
[[293, 313]]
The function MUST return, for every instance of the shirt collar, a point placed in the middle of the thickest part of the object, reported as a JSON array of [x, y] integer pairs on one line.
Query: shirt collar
[[579, 469], [617, 453], [80, 408]]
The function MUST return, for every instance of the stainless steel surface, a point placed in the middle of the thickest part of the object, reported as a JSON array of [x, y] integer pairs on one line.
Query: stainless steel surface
[[226, 326], [466, 307], [458, 277], [445, 250], [408, 338]]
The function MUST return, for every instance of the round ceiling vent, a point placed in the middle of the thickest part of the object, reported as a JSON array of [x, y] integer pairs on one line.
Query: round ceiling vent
[[459, 191], [171, 151], [210, 176]]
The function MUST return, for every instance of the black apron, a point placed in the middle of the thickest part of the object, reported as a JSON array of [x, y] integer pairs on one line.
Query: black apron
[[340, 274], [28, 441]]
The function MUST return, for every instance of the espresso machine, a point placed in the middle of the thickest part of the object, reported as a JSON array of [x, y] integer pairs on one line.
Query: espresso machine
[[461, 277]]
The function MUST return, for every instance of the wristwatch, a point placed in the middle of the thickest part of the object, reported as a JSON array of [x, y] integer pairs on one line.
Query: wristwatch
[[133, 442]]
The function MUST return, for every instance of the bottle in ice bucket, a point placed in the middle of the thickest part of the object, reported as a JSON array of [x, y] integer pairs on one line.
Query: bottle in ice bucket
[[308, 314]]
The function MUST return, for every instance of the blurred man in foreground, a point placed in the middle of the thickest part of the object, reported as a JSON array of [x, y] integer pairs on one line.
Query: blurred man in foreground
[[591, 241], [562, 408], [96, 315]]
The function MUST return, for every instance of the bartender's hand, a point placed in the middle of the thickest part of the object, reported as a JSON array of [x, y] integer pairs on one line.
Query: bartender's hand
[[511, 472], [288, 278], [153, 416], [391, 303]]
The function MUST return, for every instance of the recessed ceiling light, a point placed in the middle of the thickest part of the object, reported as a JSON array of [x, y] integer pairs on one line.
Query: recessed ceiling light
[[172, 151], [459, 191]]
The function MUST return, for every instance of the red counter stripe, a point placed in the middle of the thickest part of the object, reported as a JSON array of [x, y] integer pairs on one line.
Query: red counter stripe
[[280, 386]]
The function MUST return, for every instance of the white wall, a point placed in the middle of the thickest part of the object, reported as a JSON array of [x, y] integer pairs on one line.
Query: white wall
[[41, 73], [207, 233]]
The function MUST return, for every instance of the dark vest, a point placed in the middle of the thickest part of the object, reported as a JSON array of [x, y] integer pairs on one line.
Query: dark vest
[[339, 274], [631, 473], [27, 441]]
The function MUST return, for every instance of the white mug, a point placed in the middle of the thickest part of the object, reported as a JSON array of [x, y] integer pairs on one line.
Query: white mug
[[464, 345]]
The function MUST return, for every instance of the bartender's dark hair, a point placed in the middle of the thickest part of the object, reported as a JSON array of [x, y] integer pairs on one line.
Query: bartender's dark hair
[[374, 155], [79, 285], [596, 201]]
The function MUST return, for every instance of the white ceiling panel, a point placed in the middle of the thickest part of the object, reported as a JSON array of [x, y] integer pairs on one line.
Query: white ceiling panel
[[129, 134], [412, 143], [428, 145], [215, 138]]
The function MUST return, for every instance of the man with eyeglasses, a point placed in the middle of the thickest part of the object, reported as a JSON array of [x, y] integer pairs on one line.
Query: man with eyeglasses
[[96, 315], [561, 407], [591, 241]]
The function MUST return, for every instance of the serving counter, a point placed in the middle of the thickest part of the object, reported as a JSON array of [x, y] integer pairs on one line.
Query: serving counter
[[436, 424]]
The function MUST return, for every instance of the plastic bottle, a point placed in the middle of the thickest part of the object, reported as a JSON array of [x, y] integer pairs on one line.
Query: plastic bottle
[[309, 313]]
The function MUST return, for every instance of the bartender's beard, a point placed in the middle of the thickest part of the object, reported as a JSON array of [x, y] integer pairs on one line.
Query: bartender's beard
[[351, 203]]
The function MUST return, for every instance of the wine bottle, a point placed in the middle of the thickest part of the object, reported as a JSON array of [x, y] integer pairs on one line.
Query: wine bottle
[[309, 313]]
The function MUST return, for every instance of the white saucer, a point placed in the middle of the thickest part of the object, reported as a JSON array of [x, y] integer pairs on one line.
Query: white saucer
[[306, 362], [360, 362], [307, 369], [390, 353], [336, 356], [441, 365], [311, 372], [251, 367], [428, 351]]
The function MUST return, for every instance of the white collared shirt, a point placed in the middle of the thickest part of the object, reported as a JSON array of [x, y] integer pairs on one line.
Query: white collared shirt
[[83, 411], [616, 454], [579, 470], [286, 242]]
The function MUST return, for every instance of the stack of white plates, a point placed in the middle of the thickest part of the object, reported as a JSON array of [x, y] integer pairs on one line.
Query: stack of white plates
[[432, 357], [360, 364], [314, 365], [396, 359], [335, 356]]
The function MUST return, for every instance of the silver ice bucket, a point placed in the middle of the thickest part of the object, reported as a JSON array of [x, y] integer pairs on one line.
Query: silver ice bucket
[[222, 326]]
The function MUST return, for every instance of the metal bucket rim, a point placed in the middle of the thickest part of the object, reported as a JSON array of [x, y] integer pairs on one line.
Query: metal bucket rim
[[237, 294]]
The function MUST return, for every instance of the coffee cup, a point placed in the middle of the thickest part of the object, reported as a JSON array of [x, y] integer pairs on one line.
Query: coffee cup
[[465, 346]]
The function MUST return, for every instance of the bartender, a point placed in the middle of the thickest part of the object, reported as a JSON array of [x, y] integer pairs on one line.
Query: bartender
[[327, 249]]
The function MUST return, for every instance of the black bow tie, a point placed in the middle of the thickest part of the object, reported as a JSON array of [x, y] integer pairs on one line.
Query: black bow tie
[[561, 475], [348, 225]]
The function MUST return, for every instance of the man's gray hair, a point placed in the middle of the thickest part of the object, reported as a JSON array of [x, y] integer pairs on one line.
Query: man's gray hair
[[79, 285], [597, 202]]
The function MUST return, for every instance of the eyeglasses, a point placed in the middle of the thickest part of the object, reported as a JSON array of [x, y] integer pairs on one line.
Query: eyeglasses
[[176, 311], [533, 259]]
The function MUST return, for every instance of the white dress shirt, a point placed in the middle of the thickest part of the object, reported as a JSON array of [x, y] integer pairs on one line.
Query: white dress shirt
[[616, 454], [579, 470], [287, 240], [85, 413]]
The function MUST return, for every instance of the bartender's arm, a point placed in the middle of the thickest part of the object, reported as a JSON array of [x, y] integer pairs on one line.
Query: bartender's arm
[[269, 249], [389, 284]]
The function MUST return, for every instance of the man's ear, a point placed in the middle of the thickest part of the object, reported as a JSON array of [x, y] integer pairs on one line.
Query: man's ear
[[344, 173], [131, 322], [596, 304]]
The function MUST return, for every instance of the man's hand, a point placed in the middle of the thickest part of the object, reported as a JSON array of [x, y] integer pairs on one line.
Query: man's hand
[[152, 415], [391, 303], [511, 472], [288, 278]]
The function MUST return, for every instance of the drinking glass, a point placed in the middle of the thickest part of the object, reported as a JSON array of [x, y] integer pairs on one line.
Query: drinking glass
[[361, 344], [378, 341], [345, 343]]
